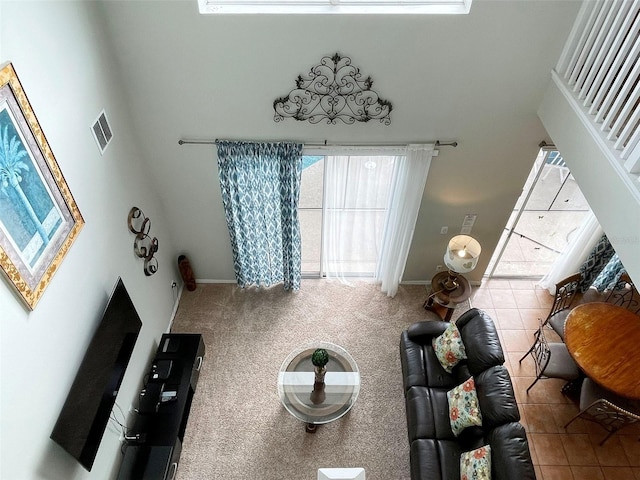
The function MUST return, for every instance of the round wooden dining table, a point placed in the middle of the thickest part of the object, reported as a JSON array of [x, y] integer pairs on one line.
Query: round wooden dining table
[[604, 340]]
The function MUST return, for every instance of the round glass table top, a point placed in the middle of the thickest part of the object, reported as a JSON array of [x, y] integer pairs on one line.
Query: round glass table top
[[296, 384]]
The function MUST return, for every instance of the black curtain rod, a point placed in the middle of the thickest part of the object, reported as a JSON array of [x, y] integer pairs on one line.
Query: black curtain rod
[[548, 146], [438, 143]]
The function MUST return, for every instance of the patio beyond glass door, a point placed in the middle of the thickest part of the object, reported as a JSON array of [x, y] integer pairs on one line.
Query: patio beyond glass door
[[342, 210], [549, 211], [310, 214]]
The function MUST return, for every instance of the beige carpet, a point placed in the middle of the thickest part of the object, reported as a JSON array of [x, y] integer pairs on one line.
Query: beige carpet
[[237, 427]]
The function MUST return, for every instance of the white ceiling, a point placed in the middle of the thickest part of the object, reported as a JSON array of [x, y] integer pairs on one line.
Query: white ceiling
[[476, 78]]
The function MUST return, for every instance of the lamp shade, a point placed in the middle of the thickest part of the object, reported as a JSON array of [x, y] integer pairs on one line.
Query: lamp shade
[[462, 254]]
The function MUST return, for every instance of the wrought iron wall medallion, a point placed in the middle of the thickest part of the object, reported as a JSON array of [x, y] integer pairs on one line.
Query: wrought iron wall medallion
[[144, 246], [333, 90]]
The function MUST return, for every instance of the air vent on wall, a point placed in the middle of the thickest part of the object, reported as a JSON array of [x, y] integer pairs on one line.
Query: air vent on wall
[[102, 132]]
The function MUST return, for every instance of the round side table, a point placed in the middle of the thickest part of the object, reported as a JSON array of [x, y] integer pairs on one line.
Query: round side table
[[448, 299]]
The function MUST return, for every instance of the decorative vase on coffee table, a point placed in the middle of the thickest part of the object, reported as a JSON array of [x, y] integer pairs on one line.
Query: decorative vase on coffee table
[[320, 372], [318, 395], [319, 359]]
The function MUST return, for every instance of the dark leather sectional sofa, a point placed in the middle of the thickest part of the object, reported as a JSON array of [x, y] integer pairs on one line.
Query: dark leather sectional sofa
[[435, 450]]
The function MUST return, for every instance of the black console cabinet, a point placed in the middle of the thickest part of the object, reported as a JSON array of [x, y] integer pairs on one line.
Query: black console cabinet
[[163, 409]]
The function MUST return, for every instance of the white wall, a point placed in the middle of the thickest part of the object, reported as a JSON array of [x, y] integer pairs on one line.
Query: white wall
[[68, 75], [476, 78]]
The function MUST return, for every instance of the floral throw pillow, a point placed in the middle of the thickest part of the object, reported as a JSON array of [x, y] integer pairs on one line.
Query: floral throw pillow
[[464, 410], [449, 348], [476, 464]]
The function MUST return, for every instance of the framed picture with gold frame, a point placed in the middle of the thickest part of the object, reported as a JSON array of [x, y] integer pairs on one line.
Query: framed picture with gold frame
[[39, 219]]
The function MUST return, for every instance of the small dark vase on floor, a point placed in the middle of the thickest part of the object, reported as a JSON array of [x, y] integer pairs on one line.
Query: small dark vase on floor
[[184, 265]]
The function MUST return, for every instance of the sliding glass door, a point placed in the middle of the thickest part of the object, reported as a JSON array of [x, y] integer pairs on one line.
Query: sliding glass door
[[310, 212], [548, 213], [342, 209]]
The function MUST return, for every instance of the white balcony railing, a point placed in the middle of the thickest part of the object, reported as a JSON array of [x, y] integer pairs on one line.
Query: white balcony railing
[[600, 69]]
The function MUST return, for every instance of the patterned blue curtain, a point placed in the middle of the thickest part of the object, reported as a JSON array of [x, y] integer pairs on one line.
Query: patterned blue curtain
[[595, 262], [610, 275], [260, 185]]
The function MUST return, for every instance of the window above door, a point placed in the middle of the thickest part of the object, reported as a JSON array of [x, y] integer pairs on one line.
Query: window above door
[[334, 6]]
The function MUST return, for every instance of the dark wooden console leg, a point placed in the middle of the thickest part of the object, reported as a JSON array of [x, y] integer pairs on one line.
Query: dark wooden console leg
[[443, 312], [449, 314], [311, 428]]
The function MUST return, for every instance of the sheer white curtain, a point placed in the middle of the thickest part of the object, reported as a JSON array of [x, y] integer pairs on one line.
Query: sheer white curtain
[[371, 202], [409, 178], [355, 199], [574, 254]]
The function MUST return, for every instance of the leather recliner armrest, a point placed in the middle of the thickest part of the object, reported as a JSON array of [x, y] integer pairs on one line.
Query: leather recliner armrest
[[510, 457], [481, 341], [422, 332], [496, 397]]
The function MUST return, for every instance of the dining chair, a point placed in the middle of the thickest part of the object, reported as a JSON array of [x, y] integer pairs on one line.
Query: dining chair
[[566, 292], [552, 360], [625, 294], [606, 408]]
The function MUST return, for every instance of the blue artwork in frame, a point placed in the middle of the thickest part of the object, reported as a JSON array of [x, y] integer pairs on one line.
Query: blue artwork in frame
[[39, 219]]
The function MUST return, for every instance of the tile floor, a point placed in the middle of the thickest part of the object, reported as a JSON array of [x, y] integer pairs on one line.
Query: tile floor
[[557, 453]]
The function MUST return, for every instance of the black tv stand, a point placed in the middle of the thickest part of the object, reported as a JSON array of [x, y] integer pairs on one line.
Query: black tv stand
[[155, 442]]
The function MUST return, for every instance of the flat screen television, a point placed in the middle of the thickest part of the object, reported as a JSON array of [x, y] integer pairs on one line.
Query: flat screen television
[[85, 414]]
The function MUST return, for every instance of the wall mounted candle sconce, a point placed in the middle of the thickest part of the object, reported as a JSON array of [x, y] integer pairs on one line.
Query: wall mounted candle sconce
[[143, 245]]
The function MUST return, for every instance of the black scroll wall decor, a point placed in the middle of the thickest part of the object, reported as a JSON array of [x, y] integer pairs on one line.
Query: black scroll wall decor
[[144, 246], [333, 90]]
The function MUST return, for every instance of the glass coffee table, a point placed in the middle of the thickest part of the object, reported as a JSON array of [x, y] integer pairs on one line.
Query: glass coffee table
[[296, 385]]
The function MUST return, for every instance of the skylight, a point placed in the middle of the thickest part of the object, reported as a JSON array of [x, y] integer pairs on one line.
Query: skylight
[[335, 6]]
